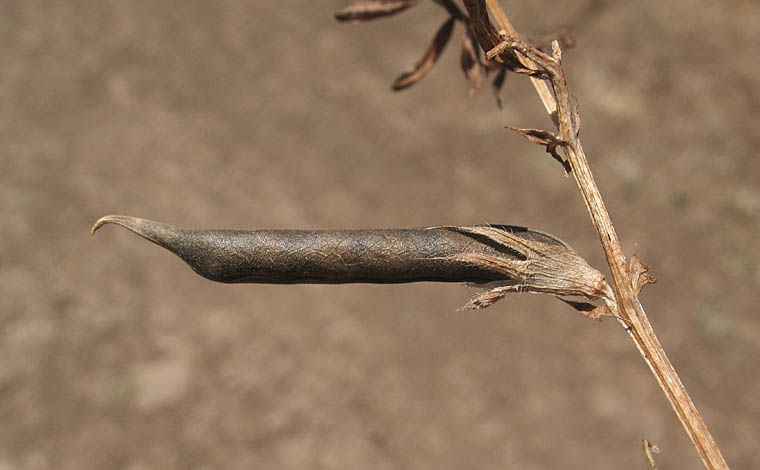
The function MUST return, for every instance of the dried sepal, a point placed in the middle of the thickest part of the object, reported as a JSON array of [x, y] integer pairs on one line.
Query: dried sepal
[[365, 10], [428, 60], [640, 276], [488, 298], [470, 62], [548, 140], [538, 263]]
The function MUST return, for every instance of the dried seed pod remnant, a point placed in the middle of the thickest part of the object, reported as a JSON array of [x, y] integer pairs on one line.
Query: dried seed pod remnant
[[503, 257]]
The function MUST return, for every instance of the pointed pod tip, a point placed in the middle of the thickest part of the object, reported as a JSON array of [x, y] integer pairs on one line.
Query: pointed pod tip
[[101, 222], [156, 232], [125, 221]]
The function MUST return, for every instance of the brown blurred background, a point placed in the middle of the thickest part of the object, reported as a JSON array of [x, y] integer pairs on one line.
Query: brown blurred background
[[251, 114]]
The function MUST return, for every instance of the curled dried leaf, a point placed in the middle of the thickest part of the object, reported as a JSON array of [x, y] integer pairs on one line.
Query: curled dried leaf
[[470, 61], [548, 140], [365, 10], [429, 59]]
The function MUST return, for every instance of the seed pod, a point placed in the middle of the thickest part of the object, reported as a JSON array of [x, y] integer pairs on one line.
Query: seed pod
[[322, 256], [515, 259]]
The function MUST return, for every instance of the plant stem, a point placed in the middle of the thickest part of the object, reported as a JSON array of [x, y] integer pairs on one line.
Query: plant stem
[[629, 307]]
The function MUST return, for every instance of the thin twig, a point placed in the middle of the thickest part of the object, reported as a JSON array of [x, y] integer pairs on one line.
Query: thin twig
[[630, 309]]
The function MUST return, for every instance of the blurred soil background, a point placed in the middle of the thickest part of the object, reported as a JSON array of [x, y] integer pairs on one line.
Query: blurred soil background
[[250, 114]]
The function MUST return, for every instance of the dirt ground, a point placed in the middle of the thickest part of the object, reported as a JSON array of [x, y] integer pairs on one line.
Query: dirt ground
[[251, 114]]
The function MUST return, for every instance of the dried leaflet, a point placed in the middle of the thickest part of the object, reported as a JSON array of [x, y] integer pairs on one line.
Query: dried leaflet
[[365, 10], [428, 60]]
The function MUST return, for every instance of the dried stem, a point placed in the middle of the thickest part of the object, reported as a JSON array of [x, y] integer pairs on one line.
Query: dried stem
[[629, 308]]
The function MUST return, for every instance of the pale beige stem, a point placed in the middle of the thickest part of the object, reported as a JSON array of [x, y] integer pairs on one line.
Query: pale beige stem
[[629, 307]]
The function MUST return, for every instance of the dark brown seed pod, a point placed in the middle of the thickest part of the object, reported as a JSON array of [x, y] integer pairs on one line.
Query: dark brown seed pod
[[324, 256], [514, 259]]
